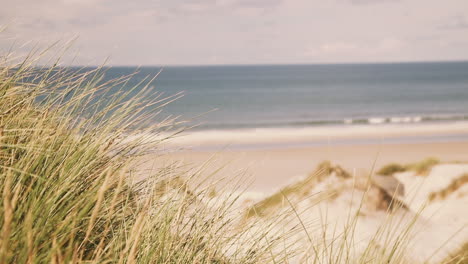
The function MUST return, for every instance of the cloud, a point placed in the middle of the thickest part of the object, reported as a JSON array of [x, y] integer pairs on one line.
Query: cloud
[[339, 47], [390, 44], [53, 15], [385, 46], [455, 22], [257, 3], [184, 6], [369, 2], [332, 48], [242, 31]]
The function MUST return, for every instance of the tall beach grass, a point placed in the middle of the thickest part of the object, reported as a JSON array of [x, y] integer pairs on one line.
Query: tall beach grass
[[71, 145], [68, 169]]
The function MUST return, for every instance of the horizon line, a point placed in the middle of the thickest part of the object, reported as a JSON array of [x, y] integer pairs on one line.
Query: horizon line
[[267, 64]]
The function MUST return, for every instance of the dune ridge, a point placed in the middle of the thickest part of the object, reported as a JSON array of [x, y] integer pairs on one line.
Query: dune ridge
[[362, 202]]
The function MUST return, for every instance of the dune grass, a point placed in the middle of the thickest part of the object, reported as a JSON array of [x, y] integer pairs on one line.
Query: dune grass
[[423, 167], [420, 168], [334, 240], [451, 188], [68, 164], [302, 188], [391, 169], [70, 153], [459, 257]]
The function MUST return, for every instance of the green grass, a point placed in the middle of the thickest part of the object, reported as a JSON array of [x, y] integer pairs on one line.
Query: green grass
[[67, 182]]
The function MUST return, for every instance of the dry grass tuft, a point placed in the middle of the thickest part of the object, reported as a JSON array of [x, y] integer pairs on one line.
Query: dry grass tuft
[[421, 168], [459, 257], [301, 188], [451, 188], [391, 169]]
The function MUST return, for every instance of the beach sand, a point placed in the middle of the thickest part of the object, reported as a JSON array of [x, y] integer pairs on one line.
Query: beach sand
[[272, 158], [273, 168]]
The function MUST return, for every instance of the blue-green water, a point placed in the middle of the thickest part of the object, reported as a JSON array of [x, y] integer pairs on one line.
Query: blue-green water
[[312, 95]]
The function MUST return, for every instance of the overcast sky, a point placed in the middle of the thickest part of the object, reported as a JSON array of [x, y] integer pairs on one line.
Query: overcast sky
[[167, 32]]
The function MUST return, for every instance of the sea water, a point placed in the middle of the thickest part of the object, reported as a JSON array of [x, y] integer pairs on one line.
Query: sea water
[[270, 96]]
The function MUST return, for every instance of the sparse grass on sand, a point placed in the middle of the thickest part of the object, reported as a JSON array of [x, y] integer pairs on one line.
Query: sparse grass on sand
[[302, 188], [453, 187], [421, 168]]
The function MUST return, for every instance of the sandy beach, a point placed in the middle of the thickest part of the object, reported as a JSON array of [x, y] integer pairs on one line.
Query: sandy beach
[[296, 137], [273, 158], [272, 162]]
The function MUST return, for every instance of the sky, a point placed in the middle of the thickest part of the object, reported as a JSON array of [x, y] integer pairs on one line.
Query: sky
[[205, 32]]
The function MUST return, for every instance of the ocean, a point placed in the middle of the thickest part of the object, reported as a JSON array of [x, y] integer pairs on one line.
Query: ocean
[[270, 96]]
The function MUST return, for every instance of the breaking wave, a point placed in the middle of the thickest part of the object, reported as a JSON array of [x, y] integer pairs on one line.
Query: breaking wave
[[376, 120]]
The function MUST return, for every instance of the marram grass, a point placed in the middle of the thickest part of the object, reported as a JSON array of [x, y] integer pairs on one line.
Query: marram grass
[[70, 147], [67, 163], [421, 168]]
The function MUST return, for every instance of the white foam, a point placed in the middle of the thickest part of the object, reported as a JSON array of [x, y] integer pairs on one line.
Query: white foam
[[405, 119], [377, 120]]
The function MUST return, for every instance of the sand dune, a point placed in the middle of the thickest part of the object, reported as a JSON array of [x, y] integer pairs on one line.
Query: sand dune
[[332, 193], [378, 211]]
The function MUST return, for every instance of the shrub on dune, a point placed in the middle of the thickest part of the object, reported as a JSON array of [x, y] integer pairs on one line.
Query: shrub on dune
[[421, 168], [455, 185], [391, 169], [424, 167]]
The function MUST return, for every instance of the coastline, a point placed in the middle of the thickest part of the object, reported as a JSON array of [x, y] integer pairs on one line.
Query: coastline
[[256, 173], [299, 137]]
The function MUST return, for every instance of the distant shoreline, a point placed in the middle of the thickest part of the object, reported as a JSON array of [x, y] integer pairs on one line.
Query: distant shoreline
[[434, 119], [81, 66], [294, 137]]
